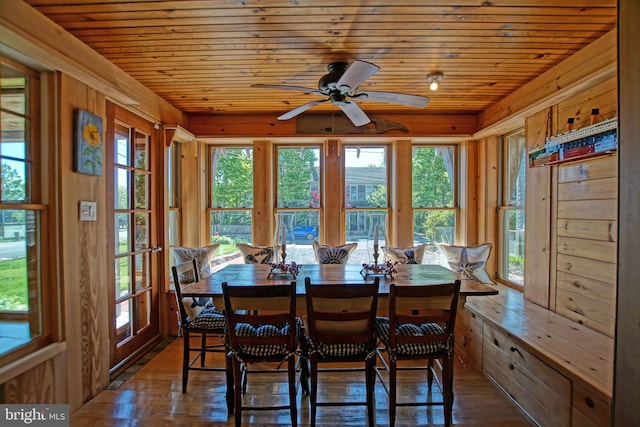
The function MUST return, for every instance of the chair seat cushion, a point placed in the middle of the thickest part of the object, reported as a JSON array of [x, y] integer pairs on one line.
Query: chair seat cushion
[[382, 333], [209, 318], [337, 350], [266, 350]]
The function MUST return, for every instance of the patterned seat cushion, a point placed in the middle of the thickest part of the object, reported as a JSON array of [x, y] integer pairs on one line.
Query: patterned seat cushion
[[333, 255], [337, 350], [209, 318], [248, 330], [382, 333], [412, 255], [255, 254]]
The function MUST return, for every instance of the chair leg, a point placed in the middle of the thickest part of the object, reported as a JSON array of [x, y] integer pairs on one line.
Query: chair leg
[[203, 347], [392, 391], [230, 387], [292, 391], [447, 385], [314, 390], [185, 360], [370, 379], [237, 379], [430, 371]]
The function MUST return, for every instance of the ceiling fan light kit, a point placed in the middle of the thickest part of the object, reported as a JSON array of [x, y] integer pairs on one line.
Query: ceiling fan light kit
[[340, 85], [434, 80]]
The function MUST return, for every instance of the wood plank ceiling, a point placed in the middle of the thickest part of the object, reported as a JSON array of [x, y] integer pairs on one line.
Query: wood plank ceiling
[[203, 56]]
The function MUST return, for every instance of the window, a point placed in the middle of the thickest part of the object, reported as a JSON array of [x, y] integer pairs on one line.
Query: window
[[298, 195], [230, 196], [366, 198], [511, 258], [173, 194], [433, 198], [25, 324]]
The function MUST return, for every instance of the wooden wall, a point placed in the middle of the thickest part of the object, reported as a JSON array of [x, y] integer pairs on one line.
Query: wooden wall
[[571, 219]]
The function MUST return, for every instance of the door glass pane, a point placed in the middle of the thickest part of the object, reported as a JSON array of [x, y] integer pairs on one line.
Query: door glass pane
[[143, 310], [124, 324], [141, 151], [142, 231], [121, 192], [298, 177], [122, 146], [142, 190], [142, 271], [122, 233], [123, 277]]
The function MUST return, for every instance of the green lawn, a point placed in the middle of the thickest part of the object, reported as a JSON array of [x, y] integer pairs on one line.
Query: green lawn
[[13, 285]]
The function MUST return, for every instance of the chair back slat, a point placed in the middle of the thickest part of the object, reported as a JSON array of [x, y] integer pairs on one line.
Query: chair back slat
[[260, 307], [188, 269], [420, 305], [342, 314]]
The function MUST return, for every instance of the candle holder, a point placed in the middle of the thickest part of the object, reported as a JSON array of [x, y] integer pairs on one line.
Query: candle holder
[[386, 269], [280, 269], [283, 237]]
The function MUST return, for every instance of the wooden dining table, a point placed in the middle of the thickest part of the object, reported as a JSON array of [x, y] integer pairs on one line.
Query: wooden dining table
[[347, 274]]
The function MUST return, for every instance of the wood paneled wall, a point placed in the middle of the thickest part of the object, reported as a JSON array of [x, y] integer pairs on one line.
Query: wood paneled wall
[[586, 240], [571, 219]]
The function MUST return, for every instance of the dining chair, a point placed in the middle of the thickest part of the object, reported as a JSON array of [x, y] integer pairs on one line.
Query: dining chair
[[340, 328], [262, 327], [197, 318], [420, 327]]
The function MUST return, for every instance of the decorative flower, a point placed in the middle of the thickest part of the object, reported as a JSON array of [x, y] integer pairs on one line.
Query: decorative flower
[[91, 135]]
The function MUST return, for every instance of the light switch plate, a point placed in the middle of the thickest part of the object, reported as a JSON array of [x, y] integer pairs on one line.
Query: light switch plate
[[87, 211]]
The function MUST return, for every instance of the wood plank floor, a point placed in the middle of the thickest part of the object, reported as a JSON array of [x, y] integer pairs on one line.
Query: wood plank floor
[[153, 397]]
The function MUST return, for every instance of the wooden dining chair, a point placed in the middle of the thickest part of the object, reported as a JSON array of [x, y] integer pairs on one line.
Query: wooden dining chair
[[340, 328], [262, 328], [420, 327], [199, 319]]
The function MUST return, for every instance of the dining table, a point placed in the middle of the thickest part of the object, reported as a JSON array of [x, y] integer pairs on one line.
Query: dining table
[[346, 274]]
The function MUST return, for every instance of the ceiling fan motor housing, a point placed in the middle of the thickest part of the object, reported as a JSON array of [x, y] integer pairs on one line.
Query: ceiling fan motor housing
[[327, 83]]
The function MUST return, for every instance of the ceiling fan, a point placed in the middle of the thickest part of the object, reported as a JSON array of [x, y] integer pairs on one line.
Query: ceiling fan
[[340, 86]]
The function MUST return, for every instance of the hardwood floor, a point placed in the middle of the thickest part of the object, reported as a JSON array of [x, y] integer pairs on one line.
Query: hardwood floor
[[153, 397]]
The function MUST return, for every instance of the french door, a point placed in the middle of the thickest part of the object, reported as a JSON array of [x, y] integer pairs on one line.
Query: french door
[[131, 183]]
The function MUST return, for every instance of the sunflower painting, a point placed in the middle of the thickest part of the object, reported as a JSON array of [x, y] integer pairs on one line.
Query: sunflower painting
[[88, 143]]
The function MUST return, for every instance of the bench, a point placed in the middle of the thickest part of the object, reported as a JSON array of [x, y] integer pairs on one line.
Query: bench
[[560, 372]]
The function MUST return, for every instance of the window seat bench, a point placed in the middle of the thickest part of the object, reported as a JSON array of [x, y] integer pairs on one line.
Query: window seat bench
[[558, 371]]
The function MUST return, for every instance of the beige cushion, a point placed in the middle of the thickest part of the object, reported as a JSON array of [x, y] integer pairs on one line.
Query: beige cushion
[[333, 255], [469, 261], [412, 255], [255, 254], [204, 257]]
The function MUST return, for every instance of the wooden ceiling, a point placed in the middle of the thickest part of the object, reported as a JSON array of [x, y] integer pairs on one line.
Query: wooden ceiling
[[203, 56]]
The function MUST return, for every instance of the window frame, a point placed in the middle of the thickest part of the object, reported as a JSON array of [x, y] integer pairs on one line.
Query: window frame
[[505, 207], [37, 190]]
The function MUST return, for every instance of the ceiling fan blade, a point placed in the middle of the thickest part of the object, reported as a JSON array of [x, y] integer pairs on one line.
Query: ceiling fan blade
[[354, 112], [393, 98], [286, 87], [356, 74], [301, 109]]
